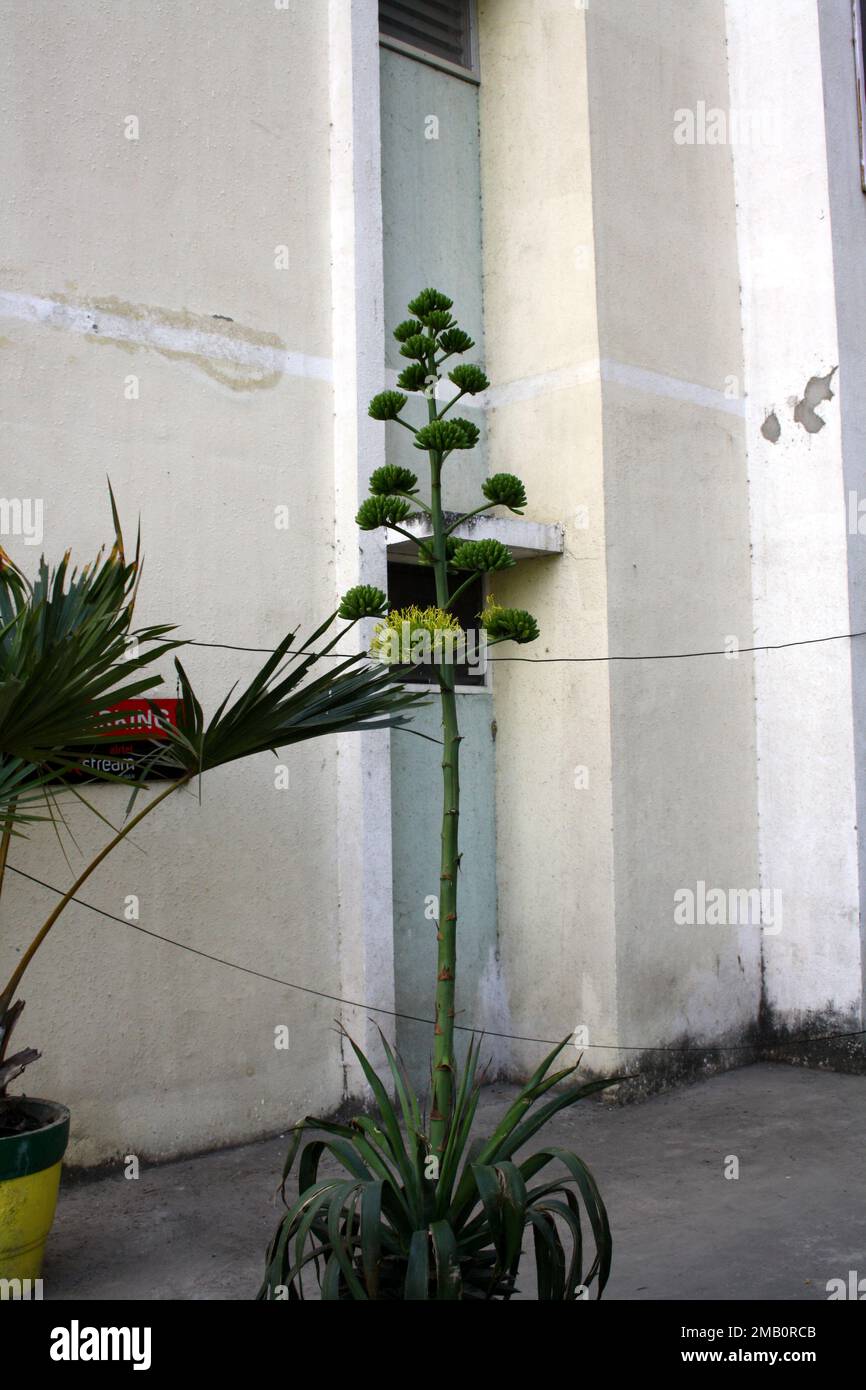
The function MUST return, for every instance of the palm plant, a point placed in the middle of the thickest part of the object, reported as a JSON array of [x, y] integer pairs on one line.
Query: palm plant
[[425, 1212], [68, 653]]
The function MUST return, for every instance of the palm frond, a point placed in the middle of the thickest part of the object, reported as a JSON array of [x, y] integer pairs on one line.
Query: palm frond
[[280, 706], [68, 652]]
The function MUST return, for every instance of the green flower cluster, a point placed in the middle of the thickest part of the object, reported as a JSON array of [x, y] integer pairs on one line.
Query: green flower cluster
[[415, 378], [504, 490], [484, 557], [382, 511], [455, 340], [419, 346], [390, 479], [387, 405], [469, 379], [407, 329], [364, 601], [508, 624], [442, 436], [427, 338], [429, 302]]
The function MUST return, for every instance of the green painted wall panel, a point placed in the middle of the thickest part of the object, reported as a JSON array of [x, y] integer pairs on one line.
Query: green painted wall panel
[[431, 206], [431, 203]]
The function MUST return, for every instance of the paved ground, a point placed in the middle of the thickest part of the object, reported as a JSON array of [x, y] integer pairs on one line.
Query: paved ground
[[794, 1218]]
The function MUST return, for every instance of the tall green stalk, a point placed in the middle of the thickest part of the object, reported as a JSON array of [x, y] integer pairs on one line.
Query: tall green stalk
[[394, 1225], [428, 339], [446, 933]]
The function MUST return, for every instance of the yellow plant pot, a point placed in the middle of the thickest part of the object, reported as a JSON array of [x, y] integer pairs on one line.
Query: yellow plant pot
[[29, 1178]]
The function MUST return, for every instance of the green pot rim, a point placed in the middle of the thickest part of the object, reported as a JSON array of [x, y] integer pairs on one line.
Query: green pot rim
[[23, 1154]]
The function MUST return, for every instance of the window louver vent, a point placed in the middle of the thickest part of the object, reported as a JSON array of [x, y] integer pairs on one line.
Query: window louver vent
[[440, 27]]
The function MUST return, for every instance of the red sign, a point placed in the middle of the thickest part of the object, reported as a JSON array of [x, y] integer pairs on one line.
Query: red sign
[[118, 753], [141, 717]]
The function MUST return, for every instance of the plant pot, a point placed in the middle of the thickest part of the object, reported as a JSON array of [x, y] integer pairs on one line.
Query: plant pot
[[29, 1178]]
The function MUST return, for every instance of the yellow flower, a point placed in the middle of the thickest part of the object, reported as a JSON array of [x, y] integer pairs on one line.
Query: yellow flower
[[416, 636]]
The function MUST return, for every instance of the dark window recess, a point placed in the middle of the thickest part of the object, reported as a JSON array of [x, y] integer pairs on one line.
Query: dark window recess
[[440, 27], [408, 584]]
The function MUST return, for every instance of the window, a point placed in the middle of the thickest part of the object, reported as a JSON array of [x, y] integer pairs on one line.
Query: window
[[408, 584], [442, 29], [860, 66]]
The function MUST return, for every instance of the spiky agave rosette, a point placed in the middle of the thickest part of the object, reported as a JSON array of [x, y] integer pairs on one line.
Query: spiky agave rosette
[[397, 1222]]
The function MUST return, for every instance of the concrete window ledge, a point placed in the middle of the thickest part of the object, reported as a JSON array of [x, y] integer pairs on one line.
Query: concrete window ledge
[[525, 539]]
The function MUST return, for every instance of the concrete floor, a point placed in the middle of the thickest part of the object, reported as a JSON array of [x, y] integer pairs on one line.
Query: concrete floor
[[795, 1217]]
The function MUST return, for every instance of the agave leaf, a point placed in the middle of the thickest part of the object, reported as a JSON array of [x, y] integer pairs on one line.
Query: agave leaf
[[569, 1212], [371, 1235], [396, 1200], [448, 1280], [331, 1283], [487, 1185], [391, 1127], [513, 1202], [465, 1105], [417, 1283], [549, 1257], [533, 1123], [294, 1144], [595, 1210], [340, 1241], [503, 1195], [495, 1147], [405, 1092], [306, 1214], [275, 1259]]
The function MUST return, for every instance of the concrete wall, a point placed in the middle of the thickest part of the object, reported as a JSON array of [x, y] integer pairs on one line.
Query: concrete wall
[[795, 268], [848, 229], [155, 259], [555, 865], [632, 378], [646, 305], [676, 502]]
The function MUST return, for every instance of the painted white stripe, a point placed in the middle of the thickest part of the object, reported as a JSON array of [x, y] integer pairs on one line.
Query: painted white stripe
[[582, 373], [673, 387], [76, 318], [544, 384], [523, 389]]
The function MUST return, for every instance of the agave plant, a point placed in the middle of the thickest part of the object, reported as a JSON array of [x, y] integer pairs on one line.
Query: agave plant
[[66, 658], [424, 1213], [396, 1224]]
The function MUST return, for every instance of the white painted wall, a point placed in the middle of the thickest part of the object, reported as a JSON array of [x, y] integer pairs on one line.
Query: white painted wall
[[848, 230], [555, 846], [613, 325], [676, 508], [363, 830], [807, 765], [631, 375], [118, 255]]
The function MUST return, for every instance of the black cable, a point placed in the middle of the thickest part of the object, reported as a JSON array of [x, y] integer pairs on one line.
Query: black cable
[[414, 1018], [583, 660]]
